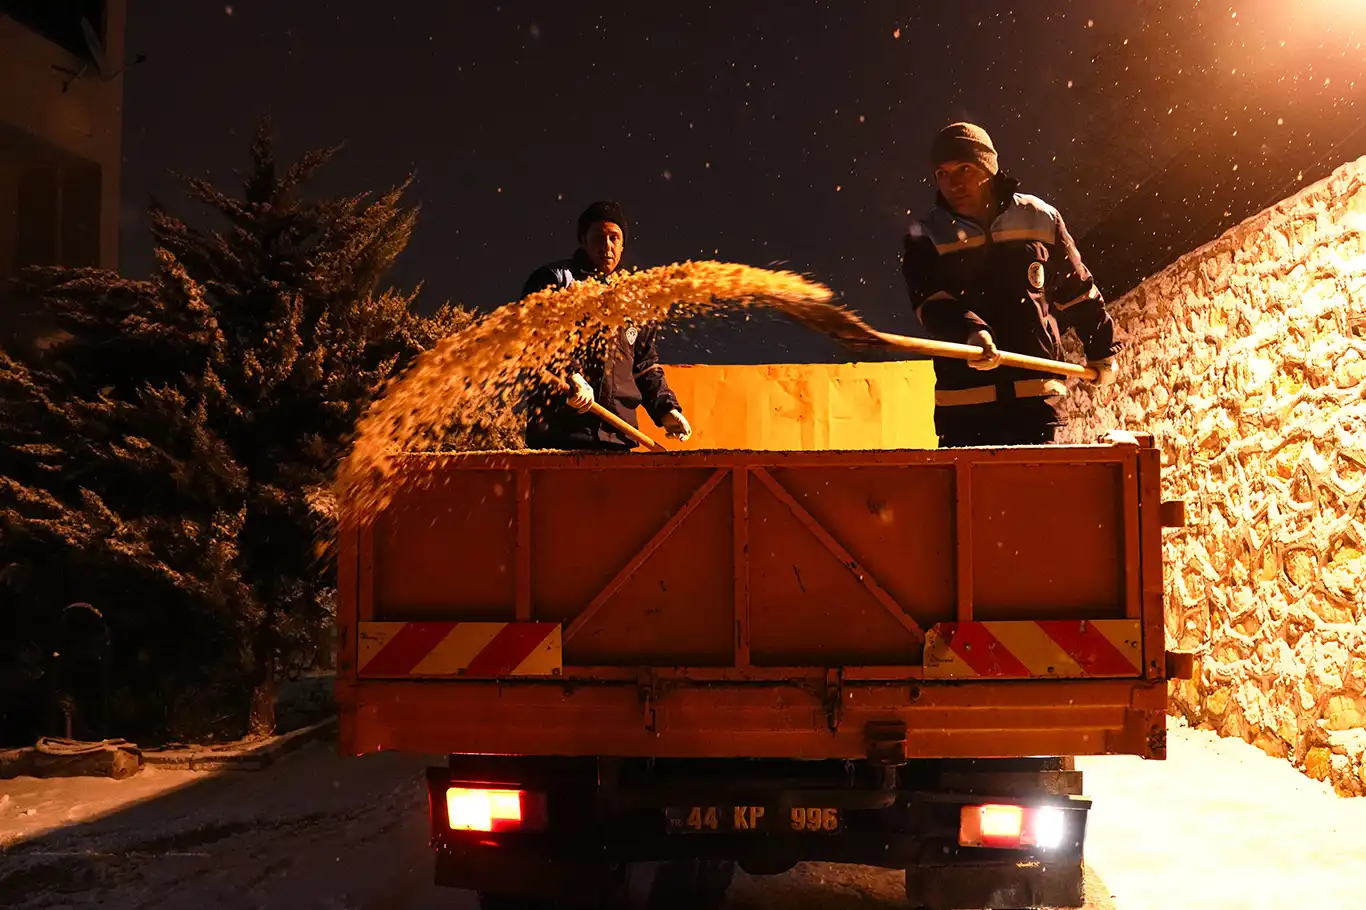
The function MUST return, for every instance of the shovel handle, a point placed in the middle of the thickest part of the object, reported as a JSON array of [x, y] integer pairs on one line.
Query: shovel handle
[[972, 352], [611, 419], [624, 427]]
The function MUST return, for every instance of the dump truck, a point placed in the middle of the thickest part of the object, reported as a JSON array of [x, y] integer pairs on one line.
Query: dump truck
[[673, 664]]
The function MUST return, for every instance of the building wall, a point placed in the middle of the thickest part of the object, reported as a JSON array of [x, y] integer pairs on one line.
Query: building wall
[[1247, 359], [59, 151]]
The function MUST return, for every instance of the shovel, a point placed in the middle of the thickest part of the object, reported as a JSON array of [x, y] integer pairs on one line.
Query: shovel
[[613, 420], [846, 327]]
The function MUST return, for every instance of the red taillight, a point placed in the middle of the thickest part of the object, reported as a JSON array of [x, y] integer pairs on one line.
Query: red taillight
[[1002, 825], [469, 809]]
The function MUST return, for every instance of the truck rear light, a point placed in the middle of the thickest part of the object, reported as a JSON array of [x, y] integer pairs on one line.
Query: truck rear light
[[1012, 827], [482, 809], [1050, 824], [1002, 823]]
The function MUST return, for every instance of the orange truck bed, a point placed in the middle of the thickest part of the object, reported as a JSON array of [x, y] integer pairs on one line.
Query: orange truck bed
[[970, 603]]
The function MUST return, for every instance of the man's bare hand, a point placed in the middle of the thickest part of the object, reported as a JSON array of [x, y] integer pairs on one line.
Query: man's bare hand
[[581, 399], [991, 358]]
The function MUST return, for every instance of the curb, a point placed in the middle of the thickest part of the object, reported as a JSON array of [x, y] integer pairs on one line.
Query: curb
[[253, 757]]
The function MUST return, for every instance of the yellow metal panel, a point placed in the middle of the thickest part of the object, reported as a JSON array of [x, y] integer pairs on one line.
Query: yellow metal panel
[[804, 406]]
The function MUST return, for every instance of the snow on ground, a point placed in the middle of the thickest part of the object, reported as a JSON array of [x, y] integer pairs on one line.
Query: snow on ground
[[1223, 826], [31, 806], [1216, 827]]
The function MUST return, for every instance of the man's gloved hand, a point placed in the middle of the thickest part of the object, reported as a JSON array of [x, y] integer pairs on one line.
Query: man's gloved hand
[[1105, 370], [677, 426], [992, 358], [581, 399]]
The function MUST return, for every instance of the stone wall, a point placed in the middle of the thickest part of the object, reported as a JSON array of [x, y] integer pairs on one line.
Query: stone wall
[[1247, 358]]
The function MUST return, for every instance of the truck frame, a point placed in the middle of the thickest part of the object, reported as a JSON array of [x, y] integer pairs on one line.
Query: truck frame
[[682, 662]]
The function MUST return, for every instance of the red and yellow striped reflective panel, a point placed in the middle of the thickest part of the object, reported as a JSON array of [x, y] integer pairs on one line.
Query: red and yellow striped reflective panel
[[1061, 649], [468, 649]]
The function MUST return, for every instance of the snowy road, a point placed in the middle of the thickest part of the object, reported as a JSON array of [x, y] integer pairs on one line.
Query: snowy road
[[1219, 826]]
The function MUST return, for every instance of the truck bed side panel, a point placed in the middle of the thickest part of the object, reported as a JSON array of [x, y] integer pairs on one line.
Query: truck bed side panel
[[847, 564]]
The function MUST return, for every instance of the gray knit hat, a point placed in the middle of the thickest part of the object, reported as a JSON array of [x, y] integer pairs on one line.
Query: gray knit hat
[[964, 142]]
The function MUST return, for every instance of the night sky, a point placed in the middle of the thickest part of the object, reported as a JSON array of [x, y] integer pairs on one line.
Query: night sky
[[773, 132]]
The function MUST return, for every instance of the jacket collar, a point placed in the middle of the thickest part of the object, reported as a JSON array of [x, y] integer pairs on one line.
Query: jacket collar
[[584, 266], [1005, 185]]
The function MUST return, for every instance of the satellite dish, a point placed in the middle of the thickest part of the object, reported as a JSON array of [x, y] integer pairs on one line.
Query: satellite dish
[[96, 48]]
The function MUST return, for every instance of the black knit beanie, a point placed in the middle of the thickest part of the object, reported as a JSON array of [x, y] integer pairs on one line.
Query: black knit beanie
[[604, 210], [964, 142]]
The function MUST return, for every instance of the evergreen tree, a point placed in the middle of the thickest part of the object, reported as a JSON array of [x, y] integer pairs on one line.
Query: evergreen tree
[[161, 460]]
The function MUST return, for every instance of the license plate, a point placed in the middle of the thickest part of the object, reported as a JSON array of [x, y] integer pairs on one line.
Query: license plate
[[741, 819]]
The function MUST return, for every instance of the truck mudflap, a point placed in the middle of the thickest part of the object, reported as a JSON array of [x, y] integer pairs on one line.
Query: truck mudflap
[[1018, 885], [569, 840]]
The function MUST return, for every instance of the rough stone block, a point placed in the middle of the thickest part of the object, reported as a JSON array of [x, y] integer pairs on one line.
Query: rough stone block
[[1345, 712], [1318, 763]]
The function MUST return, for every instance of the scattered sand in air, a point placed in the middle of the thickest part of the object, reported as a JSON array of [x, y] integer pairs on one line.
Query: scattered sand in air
[[490, 365]]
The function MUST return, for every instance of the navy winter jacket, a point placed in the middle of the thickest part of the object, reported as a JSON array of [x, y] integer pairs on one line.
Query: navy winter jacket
[[623, 370]]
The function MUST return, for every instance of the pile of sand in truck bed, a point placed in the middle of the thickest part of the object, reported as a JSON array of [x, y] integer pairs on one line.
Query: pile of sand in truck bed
[[497, 361]]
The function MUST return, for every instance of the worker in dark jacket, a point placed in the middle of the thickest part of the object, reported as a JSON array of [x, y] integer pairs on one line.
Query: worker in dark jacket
[[997, 269], [620, 370]]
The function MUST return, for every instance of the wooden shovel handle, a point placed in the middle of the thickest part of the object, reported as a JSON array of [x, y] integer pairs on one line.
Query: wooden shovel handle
[[611, 419], [972, 352], [624, 427]]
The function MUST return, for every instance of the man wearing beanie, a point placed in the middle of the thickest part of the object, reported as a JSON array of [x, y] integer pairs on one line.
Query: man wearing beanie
[[620, 372], [996, 268]]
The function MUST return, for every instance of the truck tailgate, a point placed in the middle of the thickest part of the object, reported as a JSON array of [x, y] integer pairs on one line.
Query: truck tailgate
[[953, 603]]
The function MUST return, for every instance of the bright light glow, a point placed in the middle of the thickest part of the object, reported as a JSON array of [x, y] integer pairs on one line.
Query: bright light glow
[[1004, 826], [1002, 822], [1049, 825], [1340, 12], [483, 810]]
